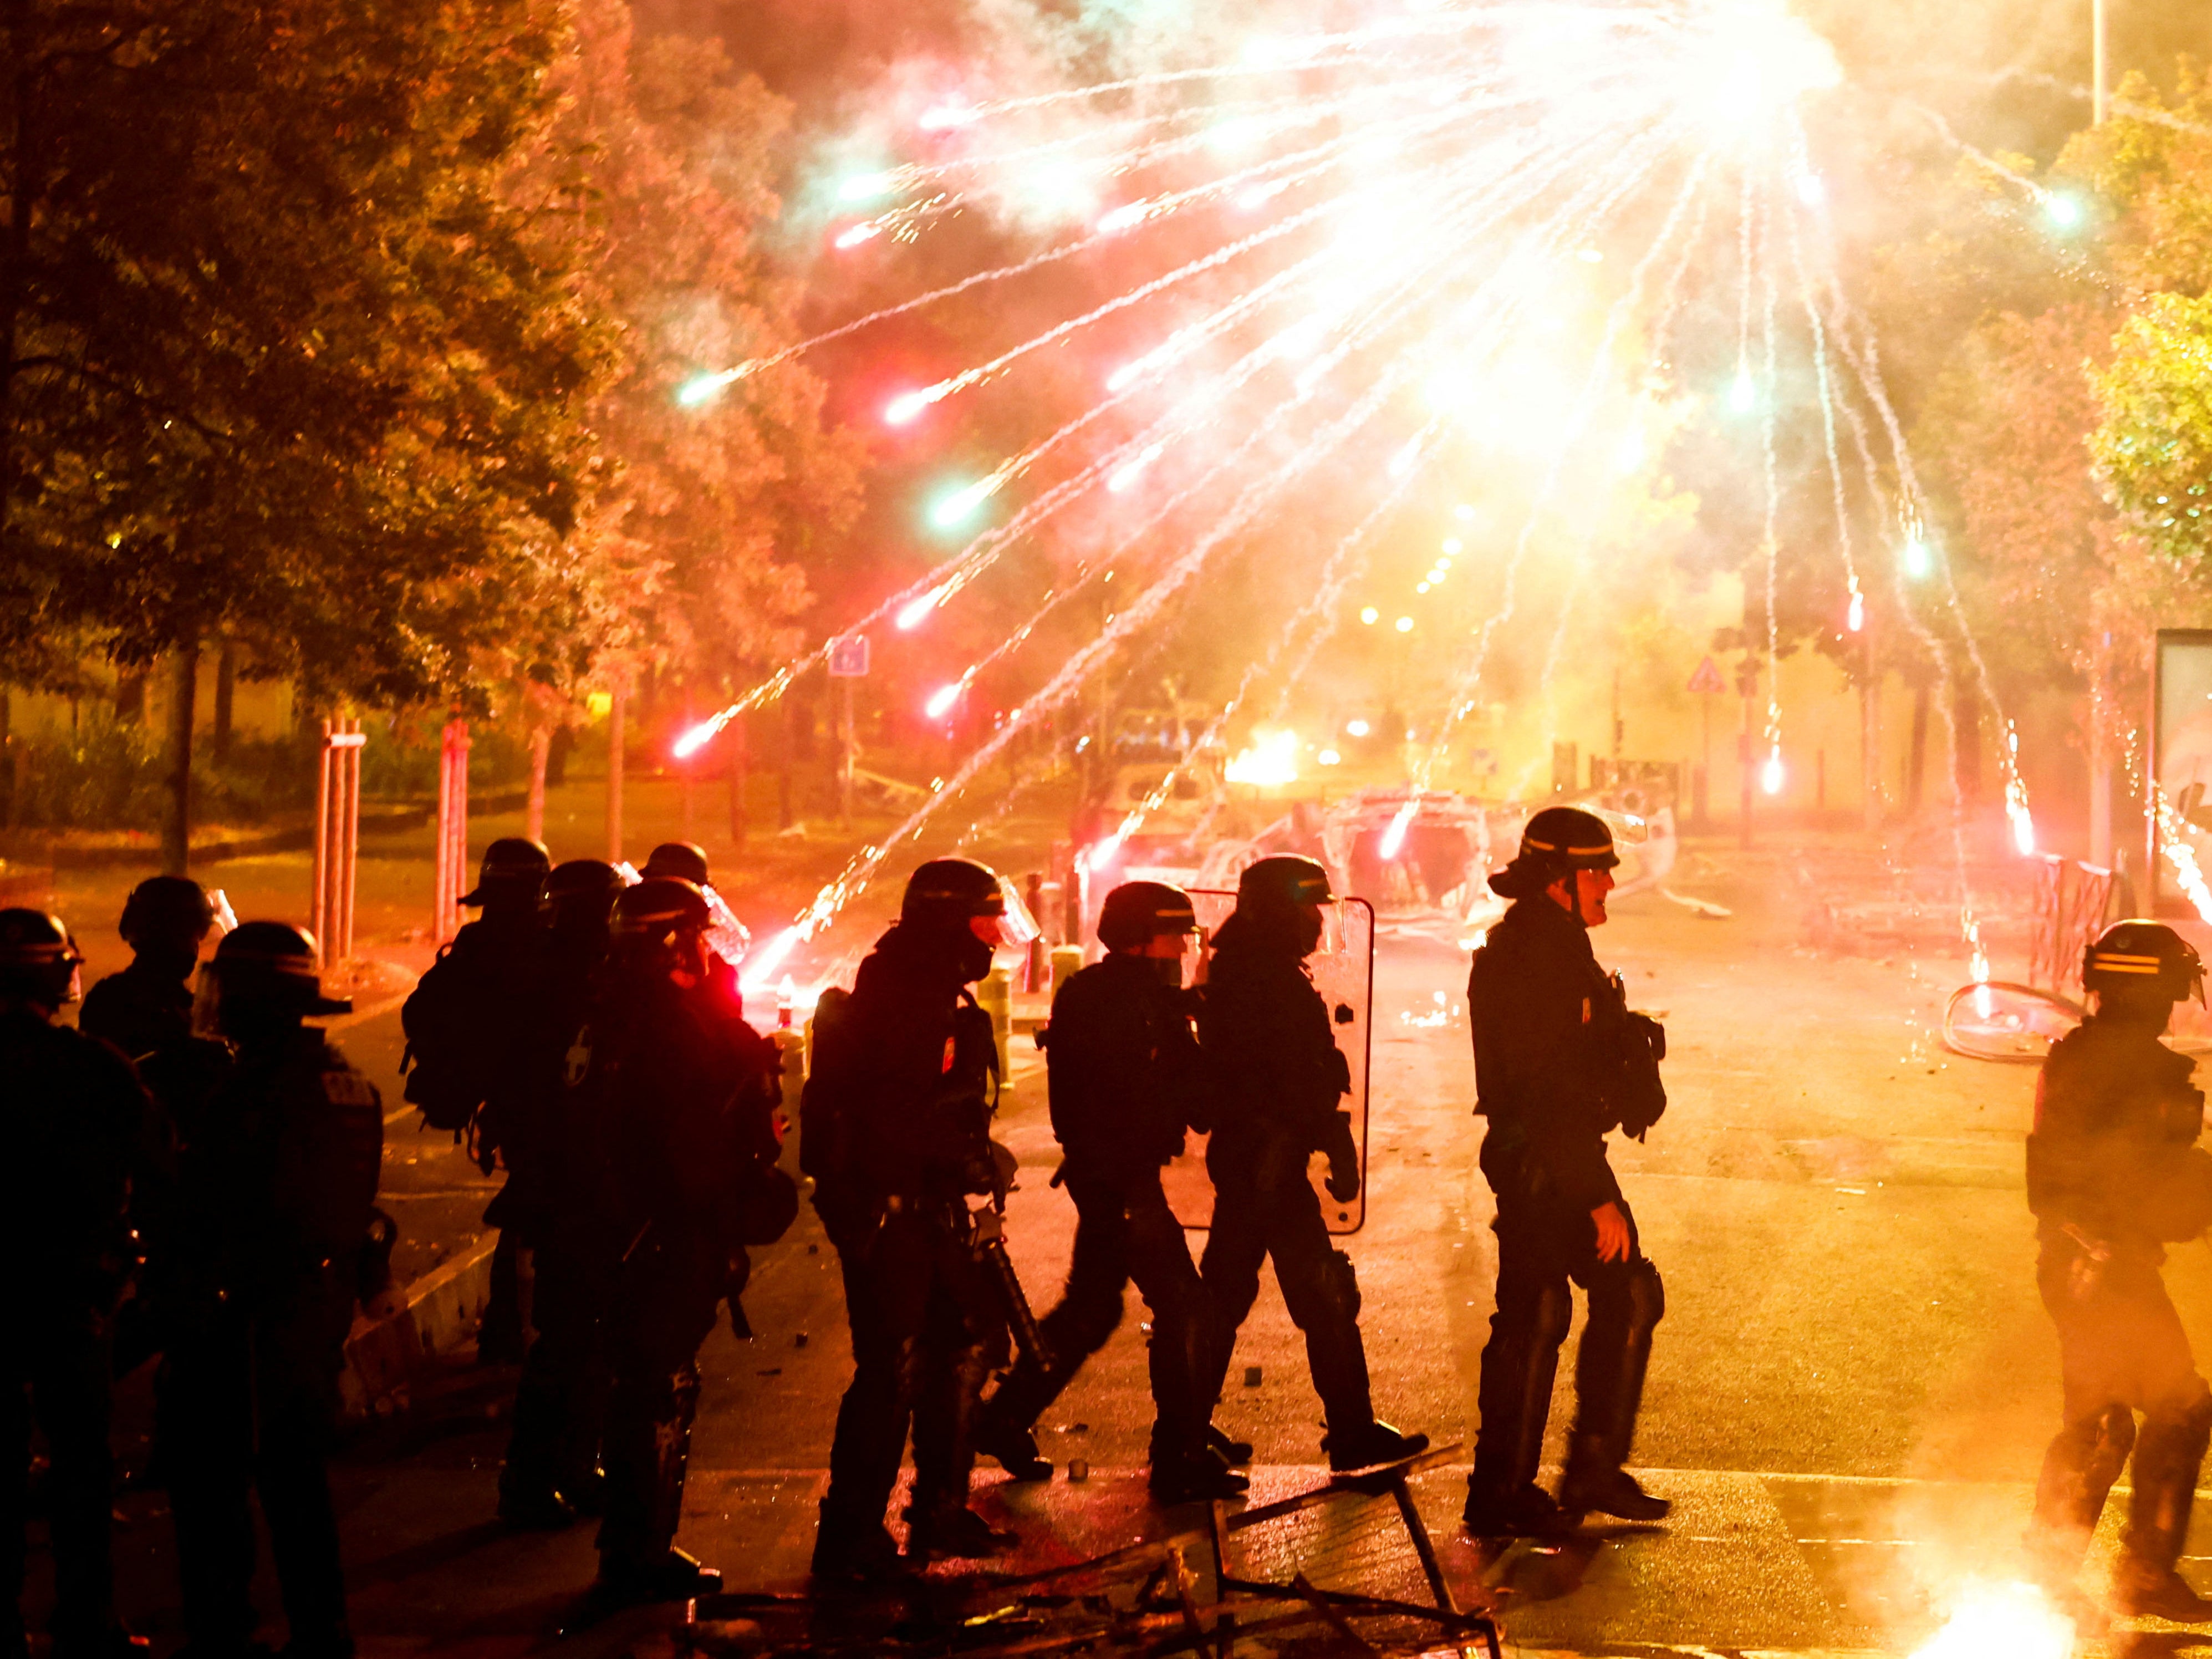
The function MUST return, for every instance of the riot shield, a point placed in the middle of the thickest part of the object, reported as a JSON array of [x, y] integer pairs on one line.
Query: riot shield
[[1343, 973]]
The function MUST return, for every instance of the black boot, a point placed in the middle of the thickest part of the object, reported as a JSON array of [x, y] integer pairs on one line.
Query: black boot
[[1369, 1444], [2083, 1460], [1195, 1477], [862, 1550], [1013, 1446], [673, 1575], [952, 1530], [1234, 1453], [2168, 1458], [1594, 1481], [1616, 1350], [1520, 1363], [1527, 1513]]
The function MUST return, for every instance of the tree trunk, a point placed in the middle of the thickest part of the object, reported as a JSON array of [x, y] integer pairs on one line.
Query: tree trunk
[[1967, 724], [7, 759], [541, 754], [734, 734], [1915, 760], [616, 712], [226, 688], [177, 803], [784, 764]]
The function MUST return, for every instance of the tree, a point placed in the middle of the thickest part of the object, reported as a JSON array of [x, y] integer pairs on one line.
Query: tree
[[280, 353]]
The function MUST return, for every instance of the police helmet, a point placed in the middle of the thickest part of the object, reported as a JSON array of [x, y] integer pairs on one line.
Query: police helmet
[[686, 861], [269, 964], [1285, 879], [2144, 961], [1138, 912], [952, 889], [580, 887], [167, 908], [514, 868], [1556, 843], [38, 959], [659, 907]]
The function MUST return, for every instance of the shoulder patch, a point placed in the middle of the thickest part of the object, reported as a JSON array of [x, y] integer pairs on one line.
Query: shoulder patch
[[349, 1088]]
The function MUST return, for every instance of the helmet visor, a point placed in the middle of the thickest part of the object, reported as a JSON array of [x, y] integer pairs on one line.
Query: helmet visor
[[1016, 926], [226, 919]]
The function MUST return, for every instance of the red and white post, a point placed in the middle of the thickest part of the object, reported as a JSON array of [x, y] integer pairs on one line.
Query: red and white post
[[338, 838]]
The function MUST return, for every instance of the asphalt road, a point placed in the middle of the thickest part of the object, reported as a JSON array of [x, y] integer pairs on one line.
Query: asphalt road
[[1848, 1398]]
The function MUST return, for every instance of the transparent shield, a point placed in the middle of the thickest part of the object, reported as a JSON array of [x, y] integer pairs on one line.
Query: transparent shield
[[1343, 973]]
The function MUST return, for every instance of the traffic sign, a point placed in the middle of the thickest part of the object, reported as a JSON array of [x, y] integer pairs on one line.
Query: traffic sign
[[1707, 681], [848, 657]]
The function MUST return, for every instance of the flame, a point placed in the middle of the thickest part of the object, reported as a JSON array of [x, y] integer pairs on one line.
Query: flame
[[2002, 1621], [699, 737], [1271, 760], [941, 700]]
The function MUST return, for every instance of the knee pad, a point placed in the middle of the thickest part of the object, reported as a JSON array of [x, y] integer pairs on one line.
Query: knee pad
[[1647, 1298], [2103, 1441], [2188, 1424], [1553, 1313], [1343, 1281]]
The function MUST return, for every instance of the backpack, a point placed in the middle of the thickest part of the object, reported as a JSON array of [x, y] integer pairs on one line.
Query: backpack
[[826, 1102], [445, 1039]]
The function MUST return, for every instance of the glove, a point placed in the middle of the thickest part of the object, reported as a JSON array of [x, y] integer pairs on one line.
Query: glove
[[1343, 1160]]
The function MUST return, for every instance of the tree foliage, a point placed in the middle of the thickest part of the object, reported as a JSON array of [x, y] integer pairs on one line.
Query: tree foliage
[[281, 354]]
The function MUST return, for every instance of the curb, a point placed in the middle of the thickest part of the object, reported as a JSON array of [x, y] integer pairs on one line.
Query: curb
[[383, 1356]]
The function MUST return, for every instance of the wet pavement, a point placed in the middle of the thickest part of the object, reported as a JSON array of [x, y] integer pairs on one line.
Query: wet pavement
[[1848, 1401]]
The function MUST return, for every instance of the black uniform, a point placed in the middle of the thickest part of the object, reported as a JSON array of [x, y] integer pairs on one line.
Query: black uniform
[[2112, 1180], [553, 1176], [913, 1062], [72, 1120], [1267, 1033], [1127, 1079], [679, 1099], [139, 1009], [1550, 1028], [470, 1024], [277, 1182]]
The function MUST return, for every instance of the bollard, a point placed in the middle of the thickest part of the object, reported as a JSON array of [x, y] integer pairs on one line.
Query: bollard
[[995, 994], [792, 1045], [1066, 962]]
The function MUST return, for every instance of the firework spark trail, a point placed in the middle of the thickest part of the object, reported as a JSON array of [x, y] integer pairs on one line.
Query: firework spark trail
[[1120, 302], [1128, 381], [1865, 360], [953, 573], [1771, 777], [1939, 653], [1464, 687], [1304, 54], [1823, 382], [1669, 303], [705, 385], [1250, 506]]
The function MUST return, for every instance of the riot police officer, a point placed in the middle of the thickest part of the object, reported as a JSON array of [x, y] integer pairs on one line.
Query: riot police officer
[[1560, 1061], [467, 1022], [72, 1120], [677, 1102], [552, 1467], [277, 1187], [2112, 1177], [687, 861], [1266, 1031], [149, 1005], [1127, 1079], [897, 1134]]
